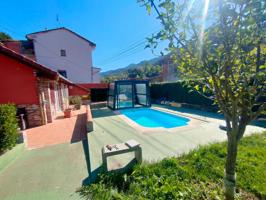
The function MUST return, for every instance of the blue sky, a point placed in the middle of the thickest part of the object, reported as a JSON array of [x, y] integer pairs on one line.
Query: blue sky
[[114, 25]]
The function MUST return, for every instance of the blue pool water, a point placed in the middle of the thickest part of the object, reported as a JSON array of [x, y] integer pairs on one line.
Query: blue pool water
[[125, 104], [153, 118]]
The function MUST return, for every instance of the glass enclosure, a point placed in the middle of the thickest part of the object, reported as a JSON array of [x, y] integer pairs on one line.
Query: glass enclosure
[[128, 94]]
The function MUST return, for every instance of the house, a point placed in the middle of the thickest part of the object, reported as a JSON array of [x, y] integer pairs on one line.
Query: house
[[169, 71], [66, 52], [38, 91], [61, 50]]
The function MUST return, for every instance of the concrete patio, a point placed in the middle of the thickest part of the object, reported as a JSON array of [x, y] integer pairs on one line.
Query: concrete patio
[[62, 130], [55, 172]]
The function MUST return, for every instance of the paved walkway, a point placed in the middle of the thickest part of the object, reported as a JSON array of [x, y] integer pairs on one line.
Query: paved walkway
[[62, 130]]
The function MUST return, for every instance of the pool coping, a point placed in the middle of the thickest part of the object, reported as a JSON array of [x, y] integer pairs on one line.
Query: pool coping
[[193, 122]]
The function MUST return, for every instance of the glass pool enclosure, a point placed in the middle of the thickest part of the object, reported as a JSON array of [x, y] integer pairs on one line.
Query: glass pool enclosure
[[128, 94]]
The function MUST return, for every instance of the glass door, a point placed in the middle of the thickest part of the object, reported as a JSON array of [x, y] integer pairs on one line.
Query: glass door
[[124, 95]]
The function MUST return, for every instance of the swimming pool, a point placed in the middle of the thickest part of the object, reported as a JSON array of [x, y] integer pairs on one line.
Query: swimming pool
[[151, 118]]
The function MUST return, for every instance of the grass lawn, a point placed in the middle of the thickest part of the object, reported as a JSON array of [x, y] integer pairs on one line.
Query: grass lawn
[[197, 175]]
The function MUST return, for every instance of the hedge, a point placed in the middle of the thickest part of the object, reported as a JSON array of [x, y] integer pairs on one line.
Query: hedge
[[8, 127], [180, 93]]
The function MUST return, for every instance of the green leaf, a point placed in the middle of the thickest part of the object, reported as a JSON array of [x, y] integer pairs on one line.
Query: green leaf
[[197, 87], [148, 8]]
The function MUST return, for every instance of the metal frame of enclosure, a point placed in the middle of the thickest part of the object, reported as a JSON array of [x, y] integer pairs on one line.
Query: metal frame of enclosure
[[128, 94]]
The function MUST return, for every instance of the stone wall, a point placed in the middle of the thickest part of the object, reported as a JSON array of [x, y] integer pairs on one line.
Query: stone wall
[[34, 116]]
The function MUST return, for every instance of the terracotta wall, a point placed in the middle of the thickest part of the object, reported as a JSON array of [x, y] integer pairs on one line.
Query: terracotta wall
[[18, 83], [76, 91]]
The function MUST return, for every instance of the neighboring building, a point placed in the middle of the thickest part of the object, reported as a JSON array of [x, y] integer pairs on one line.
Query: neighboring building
[[61, 50], [169, 71], [66, 52], [37, 91]]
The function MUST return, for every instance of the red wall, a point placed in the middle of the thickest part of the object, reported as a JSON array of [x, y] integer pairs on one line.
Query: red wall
[[94, 85], [14, 45], [76, 91], [17, 82]]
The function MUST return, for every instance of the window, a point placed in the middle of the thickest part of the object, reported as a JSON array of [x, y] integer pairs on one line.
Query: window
[[63, 73], [63, 52]]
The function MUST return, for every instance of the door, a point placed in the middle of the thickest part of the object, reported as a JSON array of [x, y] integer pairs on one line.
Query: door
[[124, 95], [56, 95]]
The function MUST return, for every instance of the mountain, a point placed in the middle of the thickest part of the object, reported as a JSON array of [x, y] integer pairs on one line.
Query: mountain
[[154, 61]]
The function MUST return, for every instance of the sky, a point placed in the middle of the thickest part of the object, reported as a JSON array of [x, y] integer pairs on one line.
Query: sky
[[118, 27]]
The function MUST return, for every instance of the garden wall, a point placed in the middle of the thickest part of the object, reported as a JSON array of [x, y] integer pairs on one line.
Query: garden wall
[[89, 119], [177, 92]]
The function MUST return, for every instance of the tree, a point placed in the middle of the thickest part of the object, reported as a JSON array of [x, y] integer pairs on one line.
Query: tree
[[5, 36], [220, 47]]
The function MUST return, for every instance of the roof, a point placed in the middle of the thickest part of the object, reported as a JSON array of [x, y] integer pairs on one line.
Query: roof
[[62, 28], [93, 85], [31, 63], [8, 52], [73, 84], [131, 81]]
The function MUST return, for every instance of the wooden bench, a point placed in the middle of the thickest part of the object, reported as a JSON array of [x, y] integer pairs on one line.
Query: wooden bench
[[116, 149]]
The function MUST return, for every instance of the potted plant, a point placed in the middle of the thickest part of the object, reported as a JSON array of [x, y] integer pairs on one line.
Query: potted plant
[[76, 101], [68, 113]]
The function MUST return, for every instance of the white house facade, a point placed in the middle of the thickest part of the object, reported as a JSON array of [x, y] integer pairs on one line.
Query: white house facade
[[66, 52]]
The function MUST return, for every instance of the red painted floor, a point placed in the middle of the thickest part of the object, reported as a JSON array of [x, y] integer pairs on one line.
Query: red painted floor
[[62, 130]]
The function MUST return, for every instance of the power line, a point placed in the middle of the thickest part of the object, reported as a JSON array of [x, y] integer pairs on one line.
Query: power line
[[136, 45], [128, 55], [130, 50]]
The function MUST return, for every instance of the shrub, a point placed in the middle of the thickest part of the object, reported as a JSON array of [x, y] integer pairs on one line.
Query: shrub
[[8, 127], [75, 100]]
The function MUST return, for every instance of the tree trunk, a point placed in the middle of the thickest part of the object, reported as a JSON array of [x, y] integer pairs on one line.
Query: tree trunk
[[230, 165]]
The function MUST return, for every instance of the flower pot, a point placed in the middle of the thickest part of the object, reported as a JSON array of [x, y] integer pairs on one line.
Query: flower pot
[[68, 113]]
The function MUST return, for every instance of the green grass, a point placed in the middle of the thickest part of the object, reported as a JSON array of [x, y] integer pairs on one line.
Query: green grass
[[197, 175]]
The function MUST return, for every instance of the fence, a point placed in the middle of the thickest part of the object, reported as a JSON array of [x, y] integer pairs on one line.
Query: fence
[[180, 93]]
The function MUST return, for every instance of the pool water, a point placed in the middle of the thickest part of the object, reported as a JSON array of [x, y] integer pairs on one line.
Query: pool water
[[154, 119], [125, 104]]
